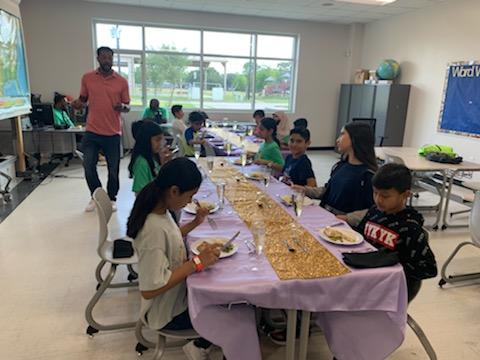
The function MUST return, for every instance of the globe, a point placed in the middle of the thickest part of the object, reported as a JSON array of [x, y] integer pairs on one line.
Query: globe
[[388, 70]]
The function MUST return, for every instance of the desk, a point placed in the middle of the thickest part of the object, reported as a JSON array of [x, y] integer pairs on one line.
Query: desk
[[409, 156], [362, 313], [51, 141]]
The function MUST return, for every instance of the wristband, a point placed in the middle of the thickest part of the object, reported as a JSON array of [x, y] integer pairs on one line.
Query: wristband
[[198, 264]]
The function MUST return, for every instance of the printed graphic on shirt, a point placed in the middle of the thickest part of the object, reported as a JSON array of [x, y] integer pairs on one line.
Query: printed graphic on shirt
[[381, 235]]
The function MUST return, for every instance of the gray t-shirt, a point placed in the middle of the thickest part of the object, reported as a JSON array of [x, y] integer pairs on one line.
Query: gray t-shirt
[[160, 250]]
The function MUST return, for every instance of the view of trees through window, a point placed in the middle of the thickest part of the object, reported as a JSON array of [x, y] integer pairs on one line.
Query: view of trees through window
[[233, 71]]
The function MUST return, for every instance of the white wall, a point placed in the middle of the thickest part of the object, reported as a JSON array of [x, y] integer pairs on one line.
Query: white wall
[[424, 42], [60, 48], [10, 6]]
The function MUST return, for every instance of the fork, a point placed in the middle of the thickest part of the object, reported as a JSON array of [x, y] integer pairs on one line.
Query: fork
[[211, 222]]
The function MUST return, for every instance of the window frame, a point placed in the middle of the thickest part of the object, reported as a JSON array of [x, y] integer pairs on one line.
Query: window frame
[[252, 58]]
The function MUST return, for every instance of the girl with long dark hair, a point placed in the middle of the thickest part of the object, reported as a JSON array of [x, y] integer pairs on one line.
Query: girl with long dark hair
[[148, 153], [349, 193], [269, 153], [162, 258]]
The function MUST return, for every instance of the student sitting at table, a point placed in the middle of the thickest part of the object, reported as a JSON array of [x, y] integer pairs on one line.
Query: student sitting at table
[[192, 134], [283, 128], [163, 266], [390, 224], [178, 123], [301, 123], [61, 120], [348, 193], [269, 152], [258, 116], [155, 113], [148, 154], [298, 167]]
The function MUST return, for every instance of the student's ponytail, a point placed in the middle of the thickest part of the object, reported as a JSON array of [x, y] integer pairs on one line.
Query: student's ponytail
[[270, 124], [180, 172]]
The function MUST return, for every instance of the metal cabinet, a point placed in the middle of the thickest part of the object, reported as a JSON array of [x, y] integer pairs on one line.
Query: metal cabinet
[[386, 104]]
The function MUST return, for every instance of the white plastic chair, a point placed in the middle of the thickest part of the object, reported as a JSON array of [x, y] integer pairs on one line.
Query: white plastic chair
[[105, 251], [474, 226], [143, 344]]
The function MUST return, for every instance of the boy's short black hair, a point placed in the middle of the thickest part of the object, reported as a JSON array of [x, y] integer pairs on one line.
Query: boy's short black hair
[[176, 108], [104, 49], [304, 133], [204, 114], [301, 123], [260, 113], [196, 117], [393, 176]]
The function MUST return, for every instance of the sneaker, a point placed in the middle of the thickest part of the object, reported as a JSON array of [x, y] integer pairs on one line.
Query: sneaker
[[114, 206], [91, 206], [195, 353]]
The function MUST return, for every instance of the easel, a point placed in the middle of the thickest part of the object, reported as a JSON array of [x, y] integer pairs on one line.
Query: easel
[[20, 150]]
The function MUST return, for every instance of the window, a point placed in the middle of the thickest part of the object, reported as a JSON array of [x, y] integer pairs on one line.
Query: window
[[202, 68]]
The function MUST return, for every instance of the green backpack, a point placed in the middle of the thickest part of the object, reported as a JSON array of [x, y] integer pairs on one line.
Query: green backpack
[[444, 149]]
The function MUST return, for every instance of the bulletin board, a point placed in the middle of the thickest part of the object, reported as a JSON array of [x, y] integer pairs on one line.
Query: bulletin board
[[460, 109]]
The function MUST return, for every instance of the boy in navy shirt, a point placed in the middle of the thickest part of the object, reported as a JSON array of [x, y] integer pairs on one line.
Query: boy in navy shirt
[[298, 167]]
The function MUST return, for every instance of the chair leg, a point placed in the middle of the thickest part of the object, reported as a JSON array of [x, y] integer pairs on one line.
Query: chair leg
[[98, 271], [132, 274], [456, 278], [94, 326], [140, 338], [422, 337], [160, 348]]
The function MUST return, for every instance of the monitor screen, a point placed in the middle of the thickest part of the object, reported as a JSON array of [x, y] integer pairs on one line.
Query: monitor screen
[[42, 114], [14, 89]]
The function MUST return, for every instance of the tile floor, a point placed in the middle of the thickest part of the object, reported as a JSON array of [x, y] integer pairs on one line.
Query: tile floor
[[47, 262]]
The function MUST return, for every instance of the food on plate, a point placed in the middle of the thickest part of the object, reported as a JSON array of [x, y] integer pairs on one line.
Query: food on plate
[[219, 242], [339, 235], [205, 204], [256, 175], [239, 162]]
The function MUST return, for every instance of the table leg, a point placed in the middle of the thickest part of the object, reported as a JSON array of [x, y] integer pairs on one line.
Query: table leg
[[291, 332], [304, 334], [442, 197], [447, 200]]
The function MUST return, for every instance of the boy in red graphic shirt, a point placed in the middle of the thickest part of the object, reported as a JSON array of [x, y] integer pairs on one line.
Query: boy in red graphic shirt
[[391, 224]]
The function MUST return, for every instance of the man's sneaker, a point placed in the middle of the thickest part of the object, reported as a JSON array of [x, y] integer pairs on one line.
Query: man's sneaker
[[114, 206], [91, 206], [195, 353]]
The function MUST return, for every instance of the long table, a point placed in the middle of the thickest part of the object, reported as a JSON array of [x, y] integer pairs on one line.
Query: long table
[[362, 313], [410, 158]]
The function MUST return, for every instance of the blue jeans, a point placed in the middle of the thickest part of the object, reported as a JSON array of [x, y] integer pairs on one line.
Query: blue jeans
[[110, 145]]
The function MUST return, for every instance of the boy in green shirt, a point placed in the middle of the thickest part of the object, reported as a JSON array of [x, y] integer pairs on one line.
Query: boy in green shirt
[[61, 120], [155, 113]]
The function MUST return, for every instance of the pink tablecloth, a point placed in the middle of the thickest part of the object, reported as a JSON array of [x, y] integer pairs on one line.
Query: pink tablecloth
[[362, 314]]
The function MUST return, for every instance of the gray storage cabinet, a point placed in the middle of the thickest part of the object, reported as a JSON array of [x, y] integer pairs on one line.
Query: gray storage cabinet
[[387, 104]]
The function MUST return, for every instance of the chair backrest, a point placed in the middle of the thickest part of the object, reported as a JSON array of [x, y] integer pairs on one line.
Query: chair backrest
[[475, 219], [392, 159], [104, 213], [182, 144]]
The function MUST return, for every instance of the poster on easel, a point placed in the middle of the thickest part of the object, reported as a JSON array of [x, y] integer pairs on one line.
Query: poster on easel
[[460, 108], [14, 87]]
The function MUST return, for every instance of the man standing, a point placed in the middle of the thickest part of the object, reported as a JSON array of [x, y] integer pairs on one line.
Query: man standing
[[106, 93]]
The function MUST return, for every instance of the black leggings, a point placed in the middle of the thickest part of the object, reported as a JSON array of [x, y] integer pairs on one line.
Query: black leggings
[[183, 322]]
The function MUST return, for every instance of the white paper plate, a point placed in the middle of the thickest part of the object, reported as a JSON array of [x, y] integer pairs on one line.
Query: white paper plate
[[306, 201], [358, 237], [195, 244], [192, 208]]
